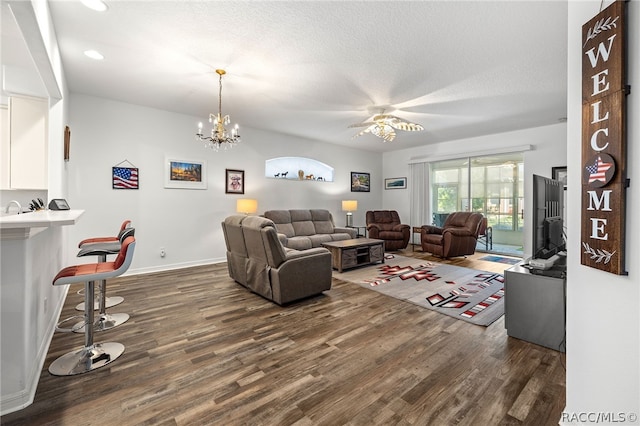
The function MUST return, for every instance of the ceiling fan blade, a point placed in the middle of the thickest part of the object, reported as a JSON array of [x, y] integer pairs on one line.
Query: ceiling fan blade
[[367, 130], [366, 123], [407, 127]]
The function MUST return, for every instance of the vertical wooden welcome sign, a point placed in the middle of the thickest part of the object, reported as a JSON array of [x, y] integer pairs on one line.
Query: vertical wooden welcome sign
[[604, 179]]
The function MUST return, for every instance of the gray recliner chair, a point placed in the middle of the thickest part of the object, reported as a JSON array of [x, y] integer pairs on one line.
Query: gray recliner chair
[[257, 259]]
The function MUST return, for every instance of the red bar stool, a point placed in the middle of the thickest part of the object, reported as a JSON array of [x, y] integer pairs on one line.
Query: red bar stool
[[92, 355], [111, 245], [102, 250], [126, 224]]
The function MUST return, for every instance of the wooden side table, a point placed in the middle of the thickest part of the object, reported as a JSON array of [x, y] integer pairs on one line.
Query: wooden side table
[[415, 230], [361, 231]]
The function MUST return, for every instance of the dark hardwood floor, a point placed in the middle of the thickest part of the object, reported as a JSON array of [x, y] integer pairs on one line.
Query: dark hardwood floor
[[202, 350]]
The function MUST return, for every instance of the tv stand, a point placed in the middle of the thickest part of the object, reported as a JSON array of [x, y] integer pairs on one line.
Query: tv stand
[[534, 306]]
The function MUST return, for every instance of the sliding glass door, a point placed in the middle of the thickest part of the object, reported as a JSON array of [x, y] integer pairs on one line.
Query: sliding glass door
[[491, 185]]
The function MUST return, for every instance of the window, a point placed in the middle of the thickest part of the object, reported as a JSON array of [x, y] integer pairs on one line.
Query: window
[[491, 185]]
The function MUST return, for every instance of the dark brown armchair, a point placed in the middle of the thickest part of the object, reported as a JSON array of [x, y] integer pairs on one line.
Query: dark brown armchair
[[385, 225], [457, 237]]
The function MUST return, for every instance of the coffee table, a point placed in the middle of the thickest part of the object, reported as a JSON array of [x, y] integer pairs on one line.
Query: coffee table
[[347, 254]]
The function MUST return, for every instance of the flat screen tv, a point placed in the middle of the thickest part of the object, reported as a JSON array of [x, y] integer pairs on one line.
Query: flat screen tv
[[548, 227]]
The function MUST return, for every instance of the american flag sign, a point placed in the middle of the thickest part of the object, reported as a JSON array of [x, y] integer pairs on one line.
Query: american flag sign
[[125, 178], [598, 170]]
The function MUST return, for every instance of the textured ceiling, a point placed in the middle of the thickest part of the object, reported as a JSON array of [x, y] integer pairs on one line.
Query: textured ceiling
[[312, 68]]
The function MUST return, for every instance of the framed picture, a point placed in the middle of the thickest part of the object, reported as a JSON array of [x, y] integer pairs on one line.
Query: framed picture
[[124, 177], [395, 183], [234, 181], [185, 174], [560, 173], [360, 182]]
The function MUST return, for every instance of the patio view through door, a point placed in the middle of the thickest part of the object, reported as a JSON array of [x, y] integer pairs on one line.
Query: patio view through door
[[492, 185]]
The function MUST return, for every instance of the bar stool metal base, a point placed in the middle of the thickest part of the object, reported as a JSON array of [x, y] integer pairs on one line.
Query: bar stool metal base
[[105, 322], [86, 359], [109, 302]]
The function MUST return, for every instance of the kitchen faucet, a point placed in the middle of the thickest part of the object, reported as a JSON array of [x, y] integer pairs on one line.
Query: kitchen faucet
[[13, 202]]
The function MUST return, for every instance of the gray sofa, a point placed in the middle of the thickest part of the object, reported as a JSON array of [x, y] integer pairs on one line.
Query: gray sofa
[[303, 229], [257, 259]]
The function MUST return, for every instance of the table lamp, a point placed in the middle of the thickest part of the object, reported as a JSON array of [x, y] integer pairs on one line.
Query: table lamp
[[349, 206], [246, 205]]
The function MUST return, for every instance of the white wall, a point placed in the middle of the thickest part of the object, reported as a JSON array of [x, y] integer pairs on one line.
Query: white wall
[[603, 321], [548, 145], [187, 222]]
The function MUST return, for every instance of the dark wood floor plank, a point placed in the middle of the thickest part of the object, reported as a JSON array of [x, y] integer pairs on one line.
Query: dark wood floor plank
[[202, 350]]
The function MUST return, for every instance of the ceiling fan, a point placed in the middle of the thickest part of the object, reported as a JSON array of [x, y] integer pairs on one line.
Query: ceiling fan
[[384, 126]]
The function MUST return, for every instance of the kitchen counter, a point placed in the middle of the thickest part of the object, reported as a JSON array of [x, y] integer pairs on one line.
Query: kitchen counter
[[22, 225], [33, 249]]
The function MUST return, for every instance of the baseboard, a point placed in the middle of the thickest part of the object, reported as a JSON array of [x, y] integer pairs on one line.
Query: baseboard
[[173, 266]]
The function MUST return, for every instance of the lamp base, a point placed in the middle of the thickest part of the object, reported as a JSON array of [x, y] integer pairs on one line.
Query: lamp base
[[349, 220]]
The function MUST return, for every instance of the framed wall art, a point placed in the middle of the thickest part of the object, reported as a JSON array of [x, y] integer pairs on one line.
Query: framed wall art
[[560, 173], [360, 182], [234, 181], [185, 174], [395, 183], [124, 177]]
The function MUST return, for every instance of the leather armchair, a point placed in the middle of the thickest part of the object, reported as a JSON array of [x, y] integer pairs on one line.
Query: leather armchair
[[457, 237], [385, 225]]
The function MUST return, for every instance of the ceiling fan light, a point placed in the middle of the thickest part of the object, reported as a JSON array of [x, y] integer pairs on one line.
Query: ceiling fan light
[[384, 126]]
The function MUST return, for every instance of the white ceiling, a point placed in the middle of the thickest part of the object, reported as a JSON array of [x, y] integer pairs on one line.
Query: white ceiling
[[311, 68]]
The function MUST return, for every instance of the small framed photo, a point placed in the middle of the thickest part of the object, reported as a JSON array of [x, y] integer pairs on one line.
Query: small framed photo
[[185, 174], [560, 173], [360, 182], [234, 181], [395, 183]]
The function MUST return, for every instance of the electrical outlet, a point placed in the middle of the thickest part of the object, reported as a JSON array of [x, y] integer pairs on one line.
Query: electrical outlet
[[162, 252]]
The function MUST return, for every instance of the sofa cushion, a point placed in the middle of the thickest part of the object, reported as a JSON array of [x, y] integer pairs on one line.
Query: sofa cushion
[[302, 223], [390, 235], [341, 236], [457, 219], [318, 239], [384, 216], [299, 243], [282, 220], [322, 221]]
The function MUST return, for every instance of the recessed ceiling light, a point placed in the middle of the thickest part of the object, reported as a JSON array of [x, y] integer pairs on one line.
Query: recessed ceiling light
[[94, 55], [98, 5]]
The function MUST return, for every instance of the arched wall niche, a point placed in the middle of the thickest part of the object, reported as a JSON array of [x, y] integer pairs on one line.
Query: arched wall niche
[[298, 168]]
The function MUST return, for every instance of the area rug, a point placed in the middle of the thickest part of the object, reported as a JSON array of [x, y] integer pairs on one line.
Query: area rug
[[501, 259], [466, 294]]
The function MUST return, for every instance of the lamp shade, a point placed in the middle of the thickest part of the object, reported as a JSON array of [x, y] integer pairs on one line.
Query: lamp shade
[[246, 205], [349, 205]]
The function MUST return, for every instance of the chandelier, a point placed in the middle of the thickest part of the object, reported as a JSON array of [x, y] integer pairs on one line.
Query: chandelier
[[219, 134]]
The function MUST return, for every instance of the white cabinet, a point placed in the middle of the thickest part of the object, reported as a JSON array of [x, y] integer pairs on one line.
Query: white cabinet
[[5, 151], [25, 144]]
